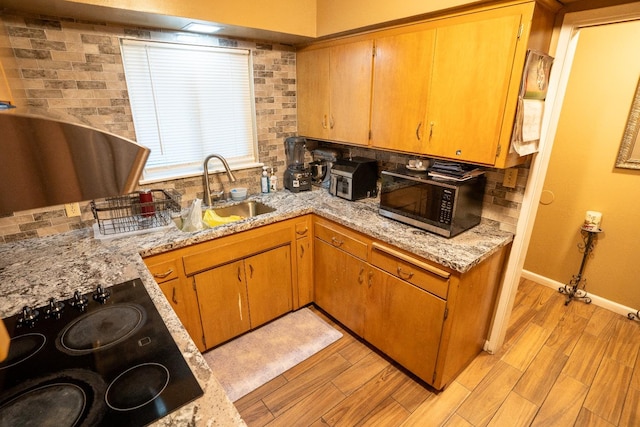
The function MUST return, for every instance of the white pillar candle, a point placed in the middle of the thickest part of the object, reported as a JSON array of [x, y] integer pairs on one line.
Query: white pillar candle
[[592, 220]]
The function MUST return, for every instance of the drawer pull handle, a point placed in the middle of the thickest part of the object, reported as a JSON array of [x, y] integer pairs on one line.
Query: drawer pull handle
[[173, 297], [336, 242], [360, 278], [407, 275], [301, 251], [163, 275], [423, 265], [418, 131], [302, 232]]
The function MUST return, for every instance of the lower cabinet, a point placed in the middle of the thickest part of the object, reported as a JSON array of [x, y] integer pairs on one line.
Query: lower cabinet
[[180, 293], [404, 322], [304, 260], [429, 319], [224, 287], [222, 297], [244, 294], [269, 285], [340, 284]]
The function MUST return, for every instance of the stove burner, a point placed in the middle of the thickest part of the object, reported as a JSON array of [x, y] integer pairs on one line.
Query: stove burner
[[60, 404], [137, 386], [101, 329], [65, 399], [23, 347]]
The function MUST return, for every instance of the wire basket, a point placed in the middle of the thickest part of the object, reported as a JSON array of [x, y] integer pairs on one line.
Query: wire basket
[[135, 211]]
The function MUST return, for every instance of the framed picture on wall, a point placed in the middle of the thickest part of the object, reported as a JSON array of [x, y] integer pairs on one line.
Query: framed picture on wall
[[629, 153]]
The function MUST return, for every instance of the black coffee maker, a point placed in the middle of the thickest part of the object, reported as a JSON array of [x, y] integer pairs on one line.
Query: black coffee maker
[[297, 177]]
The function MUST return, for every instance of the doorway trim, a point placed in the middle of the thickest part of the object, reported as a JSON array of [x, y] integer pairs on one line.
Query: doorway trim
[[567, 41]]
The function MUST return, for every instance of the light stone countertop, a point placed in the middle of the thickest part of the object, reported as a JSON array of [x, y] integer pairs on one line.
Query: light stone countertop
[[32, 271]]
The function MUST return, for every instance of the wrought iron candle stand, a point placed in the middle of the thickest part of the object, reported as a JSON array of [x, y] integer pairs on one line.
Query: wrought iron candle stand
[[576, 287]]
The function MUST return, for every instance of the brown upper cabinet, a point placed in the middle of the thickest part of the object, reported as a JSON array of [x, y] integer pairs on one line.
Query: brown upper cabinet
[[334, 92], [443, 88]]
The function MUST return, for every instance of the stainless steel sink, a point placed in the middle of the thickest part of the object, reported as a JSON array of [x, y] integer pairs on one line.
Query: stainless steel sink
[[245, 209]]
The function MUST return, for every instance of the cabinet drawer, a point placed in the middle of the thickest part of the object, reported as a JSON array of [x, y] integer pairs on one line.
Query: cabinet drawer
[[303, 227], [412, 270], [341, 240], [164, 271]]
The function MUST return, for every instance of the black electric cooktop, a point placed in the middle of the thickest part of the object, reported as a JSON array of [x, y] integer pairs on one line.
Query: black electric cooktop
[[104, 358]]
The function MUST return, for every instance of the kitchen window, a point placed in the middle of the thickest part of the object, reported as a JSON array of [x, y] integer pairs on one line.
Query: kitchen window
[[190, 101]]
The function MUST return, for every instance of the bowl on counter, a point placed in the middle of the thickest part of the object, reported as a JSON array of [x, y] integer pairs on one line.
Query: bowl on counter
[[238, 194]]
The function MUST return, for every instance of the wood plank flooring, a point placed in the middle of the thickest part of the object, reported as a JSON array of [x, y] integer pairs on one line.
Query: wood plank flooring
[[573, 365]]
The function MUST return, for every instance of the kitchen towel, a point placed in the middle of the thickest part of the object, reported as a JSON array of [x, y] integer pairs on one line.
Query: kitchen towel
[[246, 363]]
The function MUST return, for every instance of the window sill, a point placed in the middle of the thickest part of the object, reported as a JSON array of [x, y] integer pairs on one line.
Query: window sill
[[161, 176]]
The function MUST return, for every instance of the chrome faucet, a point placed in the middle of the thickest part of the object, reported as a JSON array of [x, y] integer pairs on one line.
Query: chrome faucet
[[207, 190]]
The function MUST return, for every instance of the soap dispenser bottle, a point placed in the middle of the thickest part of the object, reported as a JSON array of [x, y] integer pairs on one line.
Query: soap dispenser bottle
[[273, 182], [264, 180]]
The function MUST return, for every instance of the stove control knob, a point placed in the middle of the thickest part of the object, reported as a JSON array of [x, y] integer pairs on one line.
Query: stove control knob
[[101, 295], [79, 302], [28, 317], [53, 309]]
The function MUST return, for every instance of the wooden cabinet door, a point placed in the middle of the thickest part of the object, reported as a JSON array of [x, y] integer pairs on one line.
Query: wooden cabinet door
[[404, 321], [305, 270], [269, 284], [222, 296], [313, 93], [334, 92], [351, 67], [471, 73], [401, 81], [184, 301], [340, 283]]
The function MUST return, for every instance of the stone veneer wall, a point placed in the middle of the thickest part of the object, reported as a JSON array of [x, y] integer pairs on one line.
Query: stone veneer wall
[[72, 70]]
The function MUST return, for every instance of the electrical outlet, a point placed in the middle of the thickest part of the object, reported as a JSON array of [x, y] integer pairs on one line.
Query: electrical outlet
[[510, 178], [72, 209]]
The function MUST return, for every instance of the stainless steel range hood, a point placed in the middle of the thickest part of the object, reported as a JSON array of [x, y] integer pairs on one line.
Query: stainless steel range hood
[[45, 162]]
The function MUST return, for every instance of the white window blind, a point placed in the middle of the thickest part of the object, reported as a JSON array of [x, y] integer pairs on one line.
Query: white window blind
[[188, 102]]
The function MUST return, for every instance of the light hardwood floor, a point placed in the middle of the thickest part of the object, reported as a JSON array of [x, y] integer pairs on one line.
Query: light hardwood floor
[[574, 365]]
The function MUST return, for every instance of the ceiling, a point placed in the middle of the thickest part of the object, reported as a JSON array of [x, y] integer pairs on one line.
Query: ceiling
[[63, 8]]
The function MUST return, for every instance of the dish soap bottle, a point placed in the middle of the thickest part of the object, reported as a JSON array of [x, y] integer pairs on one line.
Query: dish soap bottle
[[264, 180], [273, 182]]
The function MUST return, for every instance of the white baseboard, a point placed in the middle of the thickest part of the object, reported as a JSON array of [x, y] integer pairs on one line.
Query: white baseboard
[[599, 301]]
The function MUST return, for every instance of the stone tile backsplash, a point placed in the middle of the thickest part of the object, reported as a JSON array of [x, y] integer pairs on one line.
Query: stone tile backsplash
[[72, 70]]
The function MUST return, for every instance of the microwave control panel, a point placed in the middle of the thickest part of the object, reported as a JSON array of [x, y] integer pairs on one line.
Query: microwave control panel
[[446, 206]]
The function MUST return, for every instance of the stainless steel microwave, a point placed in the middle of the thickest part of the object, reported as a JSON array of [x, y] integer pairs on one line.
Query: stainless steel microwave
[[446, 208]]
